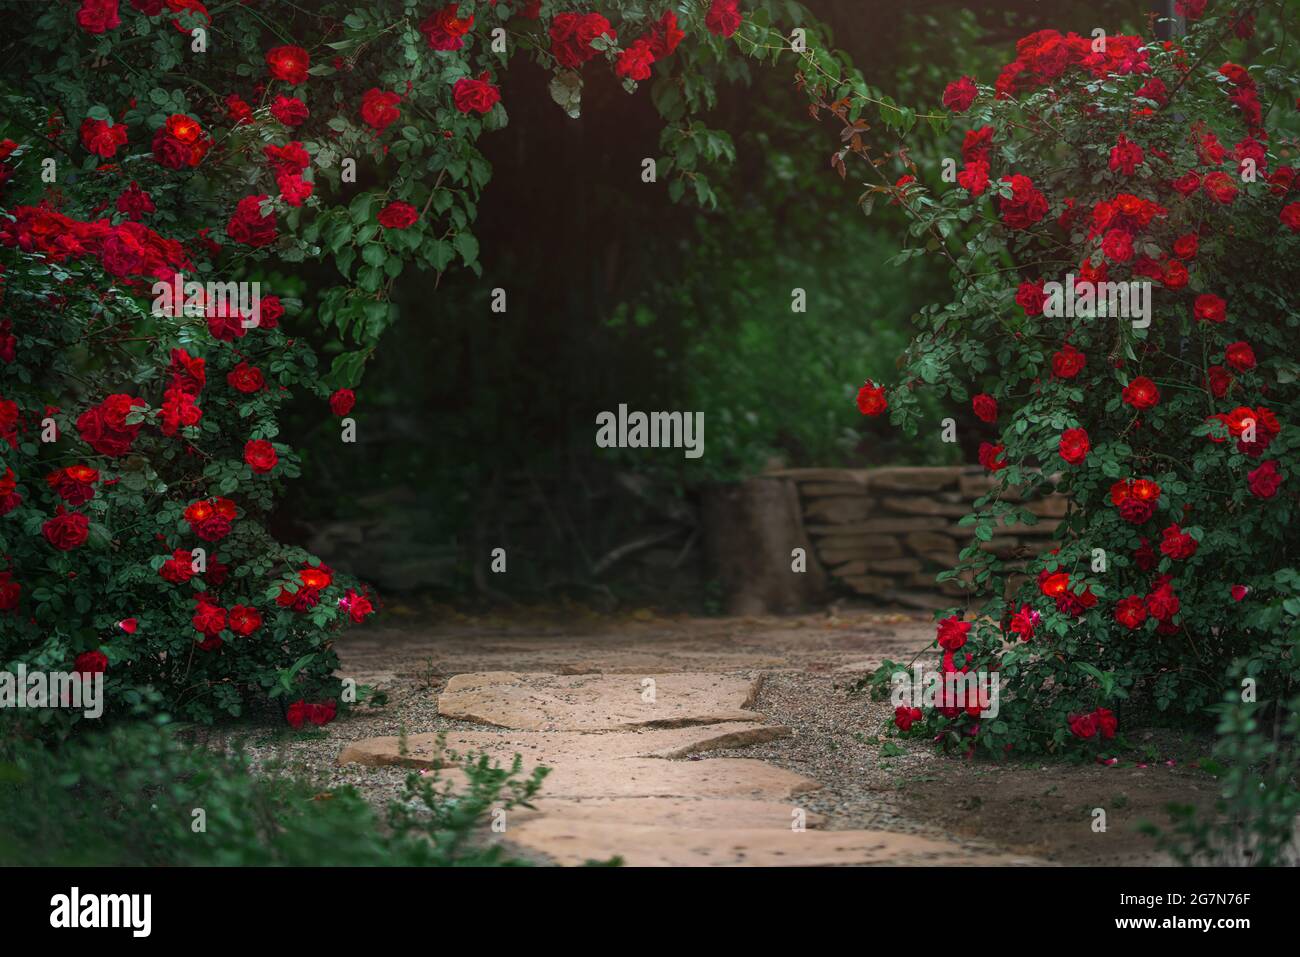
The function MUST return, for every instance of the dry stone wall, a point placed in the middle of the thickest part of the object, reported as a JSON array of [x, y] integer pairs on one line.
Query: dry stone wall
[[886, 533]]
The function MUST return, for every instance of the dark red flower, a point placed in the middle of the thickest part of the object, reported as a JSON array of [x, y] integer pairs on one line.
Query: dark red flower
[[398, 215], [871, 399], [960, 94], [985, 407], [723, 18], [475, 96], [103, 427], [288, 63], [1074, 446], [260, 456], [66, 530], [249, 226]]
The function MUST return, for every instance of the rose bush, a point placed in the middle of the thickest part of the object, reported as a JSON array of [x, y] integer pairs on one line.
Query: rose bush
[[1124, 160], [319, 151]]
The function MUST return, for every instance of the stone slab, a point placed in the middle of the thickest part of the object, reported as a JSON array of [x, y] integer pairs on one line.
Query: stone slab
[[548, 702], [555, 747], [576, 841]]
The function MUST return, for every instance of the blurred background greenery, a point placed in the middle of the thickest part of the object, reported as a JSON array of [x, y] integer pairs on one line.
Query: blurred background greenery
[[477, 428]]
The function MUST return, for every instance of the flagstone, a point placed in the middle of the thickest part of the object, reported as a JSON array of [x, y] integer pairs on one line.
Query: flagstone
[[548, 702]]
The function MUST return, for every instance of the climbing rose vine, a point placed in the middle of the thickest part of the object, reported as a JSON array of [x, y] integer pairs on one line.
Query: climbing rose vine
[[1173, 434], [318, 151]]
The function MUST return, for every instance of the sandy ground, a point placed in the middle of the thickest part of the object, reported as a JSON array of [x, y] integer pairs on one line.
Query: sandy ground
[[808, 664]]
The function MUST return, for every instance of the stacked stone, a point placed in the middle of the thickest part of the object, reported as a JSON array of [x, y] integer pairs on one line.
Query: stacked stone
[[886, 533]]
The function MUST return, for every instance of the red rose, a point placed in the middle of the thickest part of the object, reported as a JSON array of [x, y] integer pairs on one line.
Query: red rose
[[66, 530], [977, 144], [210, 519], [1082, 725], [1131, 612], [9, 497], [10, 592], [260, 456], [1265, 480], [1125, 157], [1220, 187], [103, 427], [871, 399], [178, 411], [1074, 446], [1186, 247], [135, 203], [209, 620], [1029, 295], [1240, 356], [974, 178], [1218, 381], [1026, 205], [249, 226], [1135, 511], [1068, 362], [905, 717], [1177, 544], [1175, 275], [288, 63], [960, 94], [477, 96], [1024, 623], [1187, 184], [357, 606], [1239, 592], [100, 138], [300, 713], [74, 484], [1117, 245], [398, 215], [664, 35], [952, 633], [1141, 393], [237, 110], [723, 18], [985, 407], [444, 30], [379, 109], [571, 35], [635, 62], [342, 401], [1290, 217], [245, 378], [290, 110], [1162, 603], [178, 569], [180, 142], [98, 16], [244, 620], [1107, 724], [9, 420], [90, 663], [989, 456], [1210, 308]]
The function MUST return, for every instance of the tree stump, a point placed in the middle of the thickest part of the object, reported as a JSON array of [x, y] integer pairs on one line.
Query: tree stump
[[751, 529]]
